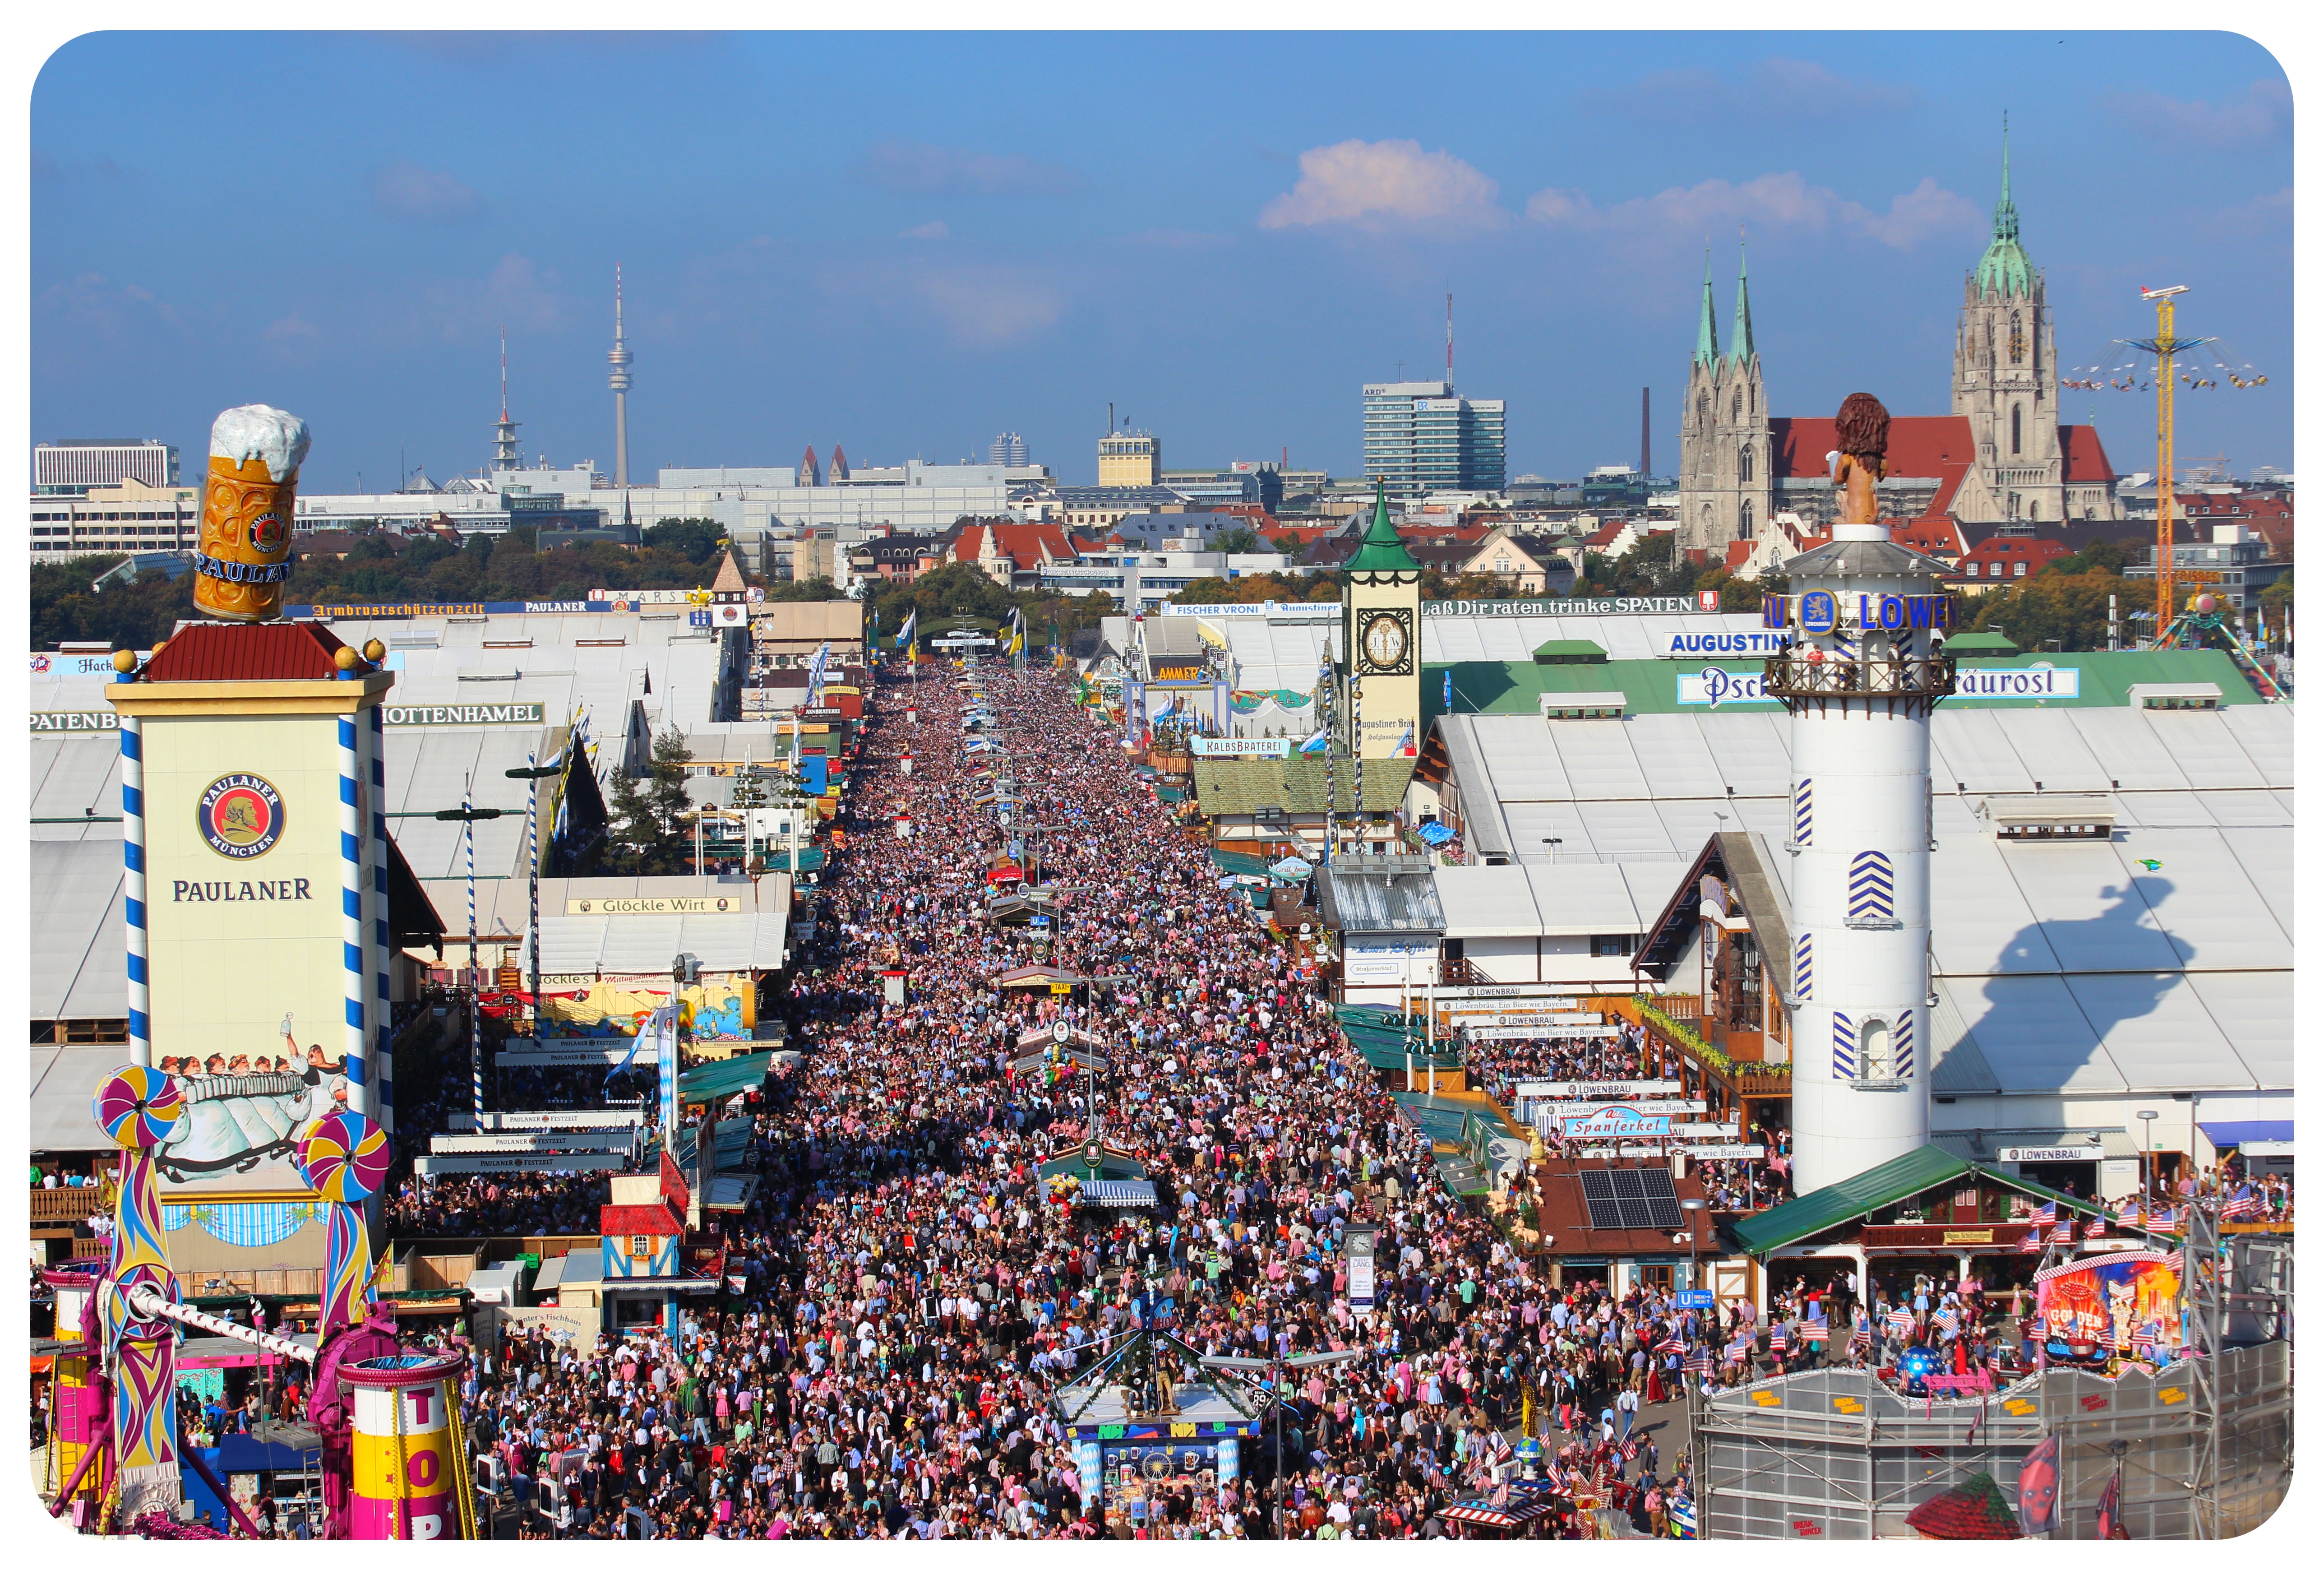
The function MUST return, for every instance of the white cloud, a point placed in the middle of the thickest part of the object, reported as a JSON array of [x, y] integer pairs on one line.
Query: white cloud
[[1385, 185], [403, 189], [2260, 113], [1770, 201], [935, 229]]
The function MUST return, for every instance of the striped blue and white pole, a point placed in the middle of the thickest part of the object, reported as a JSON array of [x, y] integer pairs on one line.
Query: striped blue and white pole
[[476, 987], [383, 1027], [532, 891], [132, 865], [351, 924]]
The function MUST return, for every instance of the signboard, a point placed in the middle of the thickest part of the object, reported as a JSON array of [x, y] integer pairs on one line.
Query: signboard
[[729, 616], [1724, 1152], [2096, 1310], [1670, 1107], [531, 1140], [1614, 1123], [1695, 1297], [1242, 746], [467, 714], [564, 1055], [1360, 1243], [1603, 1089], [1388, 962], [1523, 1032], [608, 1118], [522, 1161], [1273, 610], [1718, 689], [84, 721], [102, 664], [1180, 673], [576, 1328], [2025, 682], [1748, 646], [1598, 605], [2046, 1154], [660, 905]]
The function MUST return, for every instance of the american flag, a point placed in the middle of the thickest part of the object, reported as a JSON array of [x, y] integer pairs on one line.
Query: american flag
[[2142, 1339], [1900, 1321], [1501, 1451], [2064, 1231], [1945, 1319], [2164, 1217], [1669, 1343], [1779, 1336], [1500, 1497], [2097, 1227], [2031, 1244], [1863, 1333], [2244, 1204], [1697, 1358], [1735, 1351], [1631, 1447]]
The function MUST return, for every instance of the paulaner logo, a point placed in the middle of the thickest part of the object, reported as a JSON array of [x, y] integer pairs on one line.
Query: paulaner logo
[[240, 816]]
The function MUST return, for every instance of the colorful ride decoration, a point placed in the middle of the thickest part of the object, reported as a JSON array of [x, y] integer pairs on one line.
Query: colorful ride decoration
[[137, 1108], [408, 1452], [77, 1389], [345, 1155]]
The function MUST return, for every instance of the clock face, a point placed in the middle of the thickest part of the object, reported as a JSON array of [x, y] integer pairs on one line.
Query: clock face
[[1384, 641]]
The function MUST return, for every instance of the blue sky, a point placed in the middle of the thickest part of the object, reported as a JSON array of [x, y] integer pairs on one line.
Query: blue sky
[[908, 243]]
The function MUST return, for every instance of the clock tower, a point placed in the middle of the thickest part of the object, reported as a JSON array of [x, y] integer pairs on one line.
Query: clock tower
[[1380, 628]]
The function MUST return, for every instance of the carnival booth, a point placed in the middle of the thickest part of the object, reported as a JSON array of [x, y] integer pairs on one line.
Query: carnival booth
[[1150, 1428]]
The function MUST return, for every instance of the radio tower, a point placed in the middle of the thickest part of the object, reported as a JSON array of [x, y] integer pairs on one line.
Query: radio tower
[[619, 358], [504, 458], [1448, 339]]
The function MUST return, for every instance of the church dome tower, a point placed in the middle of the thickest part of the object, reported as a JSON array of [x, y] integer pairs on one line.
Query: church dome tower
[[2006, 381], [1726, 449]]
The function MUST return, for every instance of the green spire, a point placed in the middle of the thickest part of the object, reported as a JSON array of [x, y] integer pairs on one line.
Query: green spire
[[1706, 335], [2004, 269], [1742, 350], [1382, 549]]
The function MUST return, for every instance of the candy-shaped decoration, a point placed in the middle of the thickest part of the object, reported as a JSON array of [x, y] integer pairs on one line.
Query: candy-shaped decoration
[[345, 1156], [138, 1107]]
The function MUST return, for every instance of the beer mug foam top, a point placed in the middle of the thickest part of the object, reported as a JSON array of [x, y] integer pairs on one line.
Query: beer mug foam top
[[274, 437]]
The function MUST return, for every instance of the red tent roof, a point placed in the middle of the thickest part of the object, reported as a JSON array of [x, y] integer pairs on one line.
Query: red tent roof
[[247, 652], [658, 1220], [1977, 1509]]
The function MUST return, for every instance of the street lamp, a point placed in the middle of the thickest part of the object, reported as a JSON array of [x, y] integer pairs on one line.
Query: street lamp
[[2147, 1165], [467, 816]]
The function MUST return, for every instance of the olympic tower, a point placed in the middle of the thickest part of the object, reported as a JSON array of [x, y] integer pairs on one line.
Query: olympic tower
[[1863, 670]]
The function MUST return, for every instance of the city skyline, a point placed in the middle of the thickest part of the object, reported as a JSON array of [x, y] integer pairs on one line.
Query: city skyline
[[917, 268]]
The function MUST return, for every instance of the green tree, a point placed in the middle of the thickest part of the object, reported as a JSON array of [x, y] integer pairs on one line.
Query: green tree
[[819, 588], [695, 539], [130, 615], [2068, 609], [653, 818], [1237, 541]]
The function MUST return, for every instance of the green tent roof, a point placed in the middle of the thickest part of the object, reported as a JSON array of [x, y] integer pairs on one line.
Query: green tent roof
[[1651, 686], [1927, 1167], [1382, 549], [1232, 787], [1569, 651], [1985, 645], [716, 1081]]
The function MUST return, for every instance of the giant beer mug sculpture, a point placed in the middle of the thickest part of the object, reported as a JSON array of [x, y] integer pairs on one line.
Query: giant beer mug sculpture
[[248, 498]]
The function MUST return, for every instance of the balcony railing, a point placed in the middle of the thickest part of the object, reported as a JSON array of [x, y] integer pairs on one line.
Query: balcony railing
[[1927, 677], [63, 1207]]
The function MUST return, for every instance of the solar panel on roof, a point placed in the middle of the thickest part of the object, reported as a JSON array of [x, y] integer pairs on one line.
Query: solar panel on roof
[[1597, 1193], [1662, 1200]]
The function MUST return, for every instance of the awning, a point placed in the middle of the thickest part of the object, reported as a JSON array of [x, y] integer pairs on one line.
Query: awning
[[2249, 1130], [716, 1081], [1119, 1194], [1535, 1500]]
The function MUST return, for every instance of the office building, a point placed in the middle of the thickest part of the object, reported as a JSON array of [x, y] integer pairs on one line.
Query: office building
[[72, 468], [130, 516], [1008, 450], [1129, 458], [1422, 435]]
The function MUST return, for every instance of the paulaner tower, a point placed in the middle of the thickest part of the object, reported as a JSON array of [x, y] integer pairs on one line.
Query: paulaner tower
[[1865, 668]]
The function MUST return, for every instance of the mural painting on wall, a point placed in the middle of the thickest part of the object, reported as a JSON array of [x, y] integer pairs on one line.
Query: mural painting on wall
[[716, 1011]]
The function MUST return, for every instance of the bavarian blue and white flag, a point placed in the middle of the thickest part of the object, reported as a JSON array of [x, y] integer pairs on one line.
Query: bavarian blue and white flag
[[1316, 743], [904, 634]]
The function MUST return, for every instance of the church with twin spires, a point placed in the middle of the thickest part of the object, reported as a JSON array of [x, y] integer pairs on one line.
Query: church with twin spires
[[2000, 458]]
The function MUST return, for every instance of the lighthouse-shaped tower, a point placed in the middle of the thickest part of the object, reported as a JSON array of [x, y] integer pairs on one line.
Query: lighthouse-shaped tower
[[1864, 669]]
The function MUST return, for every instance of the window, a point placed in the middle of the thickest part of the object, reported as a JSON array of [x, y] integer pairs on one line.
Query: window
[[2033, 511], [1735, 407], [1703, 409], [2016, 429], [2020, 569], [1612, 944], [1743, 466], [2016, 337], [1743, 525], [1872, 1050]]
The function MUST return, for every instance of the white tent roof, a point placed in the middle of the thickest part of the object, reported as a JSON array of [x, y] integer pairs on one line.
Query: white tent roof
[[65, 1081], [76, 775], [639, 944], [80, 968]]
